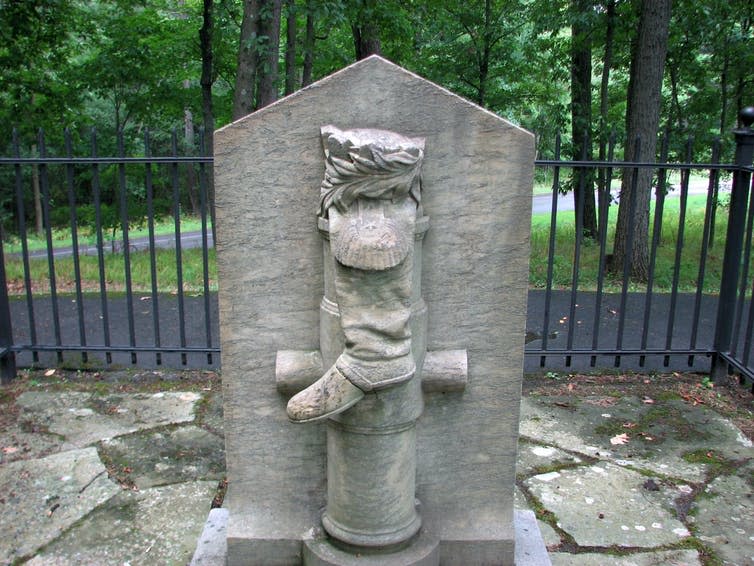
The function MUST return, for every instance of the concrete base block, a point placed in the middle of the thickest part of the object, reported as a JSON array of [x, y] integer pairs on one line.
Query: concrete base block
[[424, 551], [212, 548], [530, 546]]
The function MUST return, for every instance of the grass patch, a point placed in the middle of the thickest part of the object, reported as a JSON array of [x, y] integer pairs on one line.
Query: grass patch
[[565, 237], [61, 237], [718, 465], [114, 265]]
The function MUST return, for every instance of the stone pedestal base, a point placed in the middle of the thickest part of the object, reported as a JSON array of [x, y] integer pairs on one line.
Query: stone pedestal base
[[422, 551]]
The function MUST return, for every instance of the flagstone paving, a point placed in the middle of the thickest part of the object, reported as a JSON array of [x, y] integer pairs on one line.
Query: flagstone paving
[[104, 476]]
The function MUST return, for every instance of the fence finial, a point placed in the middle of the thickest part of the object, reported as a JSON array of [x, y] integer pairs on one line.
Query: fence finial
[[747, 116]]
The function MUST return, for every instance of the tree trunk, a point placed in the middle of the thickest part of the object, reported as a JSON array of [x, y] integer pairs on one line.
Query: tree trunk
[[366, 31], [246, 73], [188, 131], [642, 121], [37, 195], [269, 27], [306, 73], [290, 47], [607, 63], [208, 116], [581, 113]]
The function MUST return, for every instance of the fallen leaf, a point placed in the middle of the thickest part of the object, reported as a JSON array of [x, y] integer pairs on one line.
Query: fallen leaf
[[619, 439], [630, 425], [9, 449], [49, 373]]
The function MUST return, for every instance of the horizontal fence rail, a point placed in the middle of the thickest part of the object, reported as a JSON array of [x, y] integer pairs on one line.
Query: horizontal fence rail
[[115, 277]]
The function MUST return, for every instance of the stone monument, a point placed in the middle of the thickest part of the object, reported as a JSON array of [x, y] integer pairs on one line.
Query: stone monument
[[373, 262]]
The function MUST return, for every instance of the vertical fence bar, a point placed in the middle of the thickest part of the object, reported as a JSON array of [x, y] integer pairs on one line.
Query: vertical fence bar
[[21, 212], [126, 246], [629, 250], [733, 245], [96, 193], [744, 278], [44, 181], [583, 173], [551, 251], [604, 212], [685, 177], [707, 233], [178, 247], [656, 234], [70, 182], [748, 336], [205, 245], [152, 248], [7, 357]]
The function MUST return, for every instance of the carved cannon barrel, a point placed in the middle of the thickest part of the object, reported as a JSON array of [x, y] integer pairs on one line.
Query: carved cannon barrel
[[371, 448]]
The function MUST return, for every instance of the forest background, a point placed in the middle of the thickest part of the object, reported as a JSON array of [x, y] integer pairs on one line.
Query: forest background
[[589, 70]]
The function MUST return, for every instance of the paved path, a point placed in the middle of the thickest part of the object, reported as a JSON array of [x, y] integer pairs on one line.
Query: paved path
[[607, 317], [617, 475]]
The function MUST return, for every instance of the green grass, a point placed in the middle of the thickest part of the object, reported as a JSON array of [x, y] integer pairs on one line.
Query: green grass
[[565, 235], [61, 237], [562, 263], [167, 273]]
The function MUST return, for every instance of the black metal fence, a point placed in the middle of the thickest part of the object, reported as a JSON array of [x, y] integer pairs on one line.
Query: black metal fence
[[152, 305]]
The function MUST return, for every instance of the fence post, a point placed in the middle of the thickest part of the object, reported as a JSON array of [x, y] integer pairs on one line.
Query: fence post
[[733, 245], [7, 357]]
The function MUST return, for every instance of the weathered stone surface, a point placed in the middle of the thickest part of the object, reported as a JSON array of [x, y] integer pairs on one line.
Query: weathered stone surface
[[533, 458], [210, 414], [658, 435], [477, 181], [549, 535], [530, 548], [662, 558], [606, 505], [725, 516], [188, 453], [212, 547], [155, 526], [84, 418], [39, 499]]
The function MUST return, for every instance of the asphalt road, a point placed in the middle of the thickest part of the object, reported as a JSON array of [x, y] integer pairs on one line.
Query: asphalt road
[[606, 317]]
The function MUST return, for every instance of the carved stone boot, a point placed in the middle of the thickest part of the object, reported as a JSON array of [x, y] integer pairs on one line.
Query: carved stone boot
[[329, 395]]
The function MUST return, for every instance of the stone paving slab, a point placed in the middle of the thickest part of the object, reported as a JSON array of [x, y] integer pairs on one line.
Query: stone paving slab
[[659, 434], [663, 558], [641, 483], [605, 505], [533, 458], [160, 525], [724, 516], [40, 499], [152, 458], [81, 419]]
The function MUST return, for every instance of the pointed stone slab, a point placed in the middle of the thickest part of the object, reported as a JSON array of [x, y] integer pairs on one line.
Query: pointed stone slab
[[42, 498], [477, 178]]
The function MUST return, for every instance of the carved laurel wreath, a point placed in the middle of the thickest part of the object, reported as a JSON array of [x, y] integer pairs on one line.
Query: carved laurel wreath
[[388, 167]]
